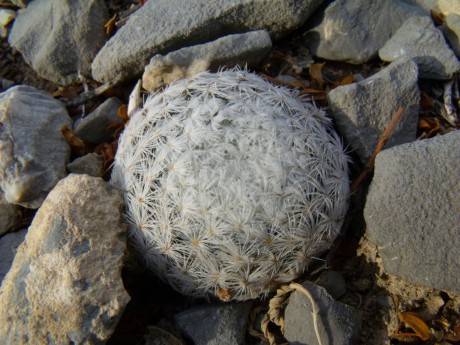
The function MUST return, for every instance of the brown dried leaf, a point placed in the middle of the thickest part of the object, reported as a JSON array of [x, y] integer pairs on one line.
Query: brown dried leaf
[[110, 25], [349, 79], [438, 18], [318, 95], [316, 74], [123, 112], [74, 142], [68, 92], [224, 294], [414, 321], [426, 102]]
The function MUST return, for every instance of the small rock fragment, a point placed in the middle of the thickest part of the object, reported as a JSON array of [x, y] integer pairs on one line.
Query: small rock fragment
[[338, 323], [8, 214], [8, 246], [90, 164], [6, 17], [240, 49], [65, 285], [177, 24], [412, 211], [354, 30], [364, 110], [33, 151], [93, 128], [223, 324], [333, 282], [59, 38], [419, 40]]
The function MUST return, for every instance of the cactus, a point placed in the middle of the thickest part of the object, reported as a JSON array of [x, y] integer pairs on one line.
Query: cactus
[[232, 185]]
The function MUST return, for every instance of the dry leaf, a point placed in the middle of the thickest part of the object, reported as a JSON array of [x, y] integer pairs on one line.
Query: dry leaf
[[438, 18], [316, 75], [224, 294], [123, 112], [426, 102], [110, 25], [68, 92], [317, 95], [414, 321], [74, 142], [349, 79]]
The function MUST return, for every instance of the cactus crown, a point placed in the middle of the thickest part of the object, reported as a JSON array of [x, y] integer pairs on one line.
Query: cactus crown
[[232, 185]]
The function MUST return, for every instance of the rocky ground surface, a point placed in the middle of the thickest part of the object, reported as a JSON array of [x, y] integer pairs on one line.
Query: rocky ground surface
[[392, 277]]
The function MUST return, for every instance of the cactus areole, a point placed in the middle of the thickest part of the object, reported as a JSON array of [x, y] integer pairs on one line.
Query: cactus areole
[[232, 185]]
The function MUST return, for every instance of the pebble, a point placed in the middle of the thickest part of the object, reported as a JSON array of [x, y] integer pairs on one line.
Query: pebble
[[65, 285], [419, 40], [364, 110], [91, 164], [34, 151], [59, 39], [412, 213], [9, 244], [229, 51]]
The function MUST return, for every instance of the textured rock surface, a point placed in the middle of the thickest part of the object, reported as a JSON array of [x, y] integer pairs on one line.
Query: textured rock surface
[[33, 151], [8, 246], [338, 323], [240, 49], [445, 7], [419, 40], [333, 282], [6, 16], [93, 128], [223, 324], [178, 23], [354, 30], [412, 211], [364, 110], [8, 214], [90, 164], [451, 30], [65, 284], [59, 38]]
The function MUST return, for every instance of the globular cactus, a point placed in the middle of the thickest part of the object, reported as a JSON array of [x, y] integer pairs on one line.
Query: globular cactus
[[232, 185]]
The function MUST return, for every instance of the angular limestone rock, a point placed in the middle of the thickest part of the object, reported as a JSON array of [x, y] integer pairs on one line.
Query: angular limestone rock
[[162, 26], [33, 151], [412, 211], [419, 40], [65, 285], [364, 110], [59, 38], [228, 51]]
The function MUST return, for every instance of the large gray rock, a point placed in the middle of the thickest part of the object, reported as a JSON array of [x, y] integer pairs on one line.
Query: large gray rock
[[364, 110], [65, 284], [9, 243], [239, 49], [223, 324], [338, 323], [354, 30], [8, 214], [419, 40], [162, 26], [59, 38], [33, 151], [93, 127], [412, 211]]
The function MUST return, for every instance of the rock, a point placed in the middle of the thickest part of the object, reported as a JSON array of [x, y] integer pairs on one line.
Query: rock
[[444, 7], [354, 30], [364, 110], [333, 282], [412, 213], [338, 323], [19, 3], [90, 164], [65, 285], [93, 128], [8, 214], [177, 24], [59, 38], [240, 49], [33, 151], [451, 30], [8, 246], [6, 17], [419, 40], [223, 324]]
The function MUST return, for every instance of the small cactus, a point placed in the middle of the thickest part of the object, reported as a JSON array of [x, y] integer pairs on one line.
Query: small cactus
[[232, 185]]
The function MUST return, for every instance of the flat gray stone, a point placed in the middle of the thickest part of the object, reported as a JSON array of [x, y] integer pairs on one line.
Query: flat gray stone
[[163, 26], [65, 285], [33, 151], [223, 324], [451, 30], [9, 243], [419, 40], [8, 214], [59, 38], [338, 323], [412, 211], [364, 110], [93, 128], [354, 30], [239, 49], [90, 164]]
